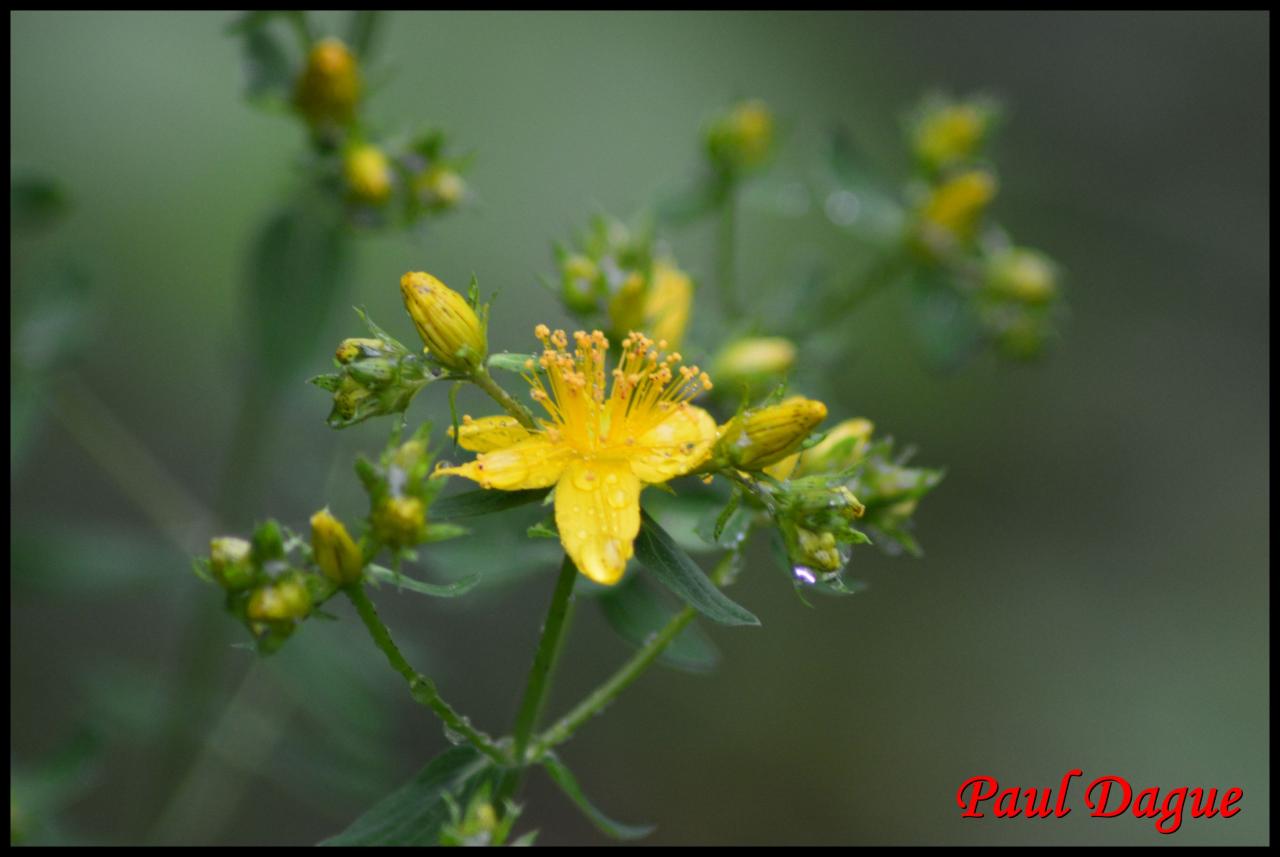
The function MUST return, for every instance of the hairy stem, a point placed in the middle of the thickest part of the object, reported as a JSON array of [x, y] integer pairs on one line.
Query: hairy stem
[[421, 688]]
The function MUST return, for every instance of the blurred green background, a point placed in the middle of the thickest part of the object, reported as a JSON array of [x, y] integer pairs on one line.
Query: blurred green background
[[1095, 590]]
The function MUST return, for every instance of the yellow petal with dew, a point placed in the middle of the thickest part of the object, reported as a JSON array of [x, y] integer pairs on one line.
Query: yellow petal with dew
[[598, 515], [489, 433], [674, 446], [532, 463]]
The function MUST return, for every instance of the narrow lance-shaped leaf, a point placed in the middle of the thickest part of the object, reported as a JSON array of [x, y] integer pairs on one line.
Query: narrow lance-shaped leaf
[[636, 613], [436, 590], [565, 780], [659, 553], [481, 502]]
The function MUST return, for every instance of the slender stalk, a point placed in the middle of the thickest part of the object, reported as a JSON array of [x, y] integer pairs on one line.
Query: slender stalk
[[482, 379], [725, 249], [421, 688], [600, 698], [553, 632]]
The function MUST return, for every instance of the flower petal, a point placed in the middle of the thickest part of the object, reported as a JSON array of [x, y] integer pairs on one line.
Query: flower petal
[[489, 433], [532, 463], [674, 446], [598, 515]]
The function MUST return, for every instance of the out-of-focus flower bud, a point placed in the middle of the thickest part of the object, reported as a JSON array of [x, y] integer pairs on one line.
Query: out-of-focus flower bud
[[440, 188], [349, 349], [954, 209], [348, 398], [626, 307], [283, 600], [579, 282], [1022, 275], [336, 553], [230, 562], [398, 521], [368, 173], [329, 88], [948, 133], [760, 437], [843, 446], [754, 362], [742, 139], [666, 307], [448, 325]]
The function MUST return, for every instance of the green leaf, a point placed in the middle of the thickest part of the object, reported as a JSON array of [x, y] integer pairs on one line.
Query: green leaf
[[565, 780], [297, 269], [268, 70], [543, 530], [472, 503], [415, 813], [509, 362], [657, 552], [636, 613], [364, 29], [434, 532], [436, 590]]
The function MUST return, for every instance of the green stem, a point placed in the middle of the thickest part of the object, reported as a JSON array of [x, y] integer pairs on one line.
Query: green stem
[[482, 379], [535, 692], [421, 688], [725, 248], [600, 698]]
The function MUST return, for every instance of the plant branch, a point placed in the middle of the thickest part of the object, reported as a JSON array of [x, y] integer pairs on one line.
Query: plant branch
[[421, 688], [482, 379]]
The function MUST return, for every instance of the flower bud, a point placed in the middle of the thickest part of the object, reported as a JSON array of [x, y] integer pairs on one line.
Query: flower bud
[[398, 521], [230, 562], [440, 188], [841, 448], [626, 308], [329, 87], [1021, 275], [754, 361], [763, 436], [818, 550], [579, 278], [949, 133], [348, 398], [952, 212], [283, 600], [335, 552], [666, 307], [743, 138], [350, 349], [449, 327], [368, 174]]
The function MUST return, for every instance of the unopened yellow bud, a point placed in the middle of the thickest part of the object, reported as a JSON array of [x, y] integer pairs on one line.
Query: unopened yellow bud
[[440, 187], [449, 327], [766, 435], [667, 306], [285, 599], [335, 552], [398, 521], [329, 87], [956, 206], [229, 562], [819, 550], [349, 396], [754, 359], [841, 448], [950, 134], [783, 469], [579, 267], [1022, 275], [368, 173], [350, 349], [743, 138]]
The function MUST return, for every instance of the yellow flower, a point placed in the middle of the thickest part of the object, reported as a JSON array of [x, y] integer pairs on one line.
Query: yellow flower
[[666, 307], [598, 445], [330, 84]]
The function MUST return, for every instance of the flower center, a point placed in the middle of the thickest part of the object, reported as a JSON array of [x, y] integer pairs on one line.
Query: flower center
[[648, 386]]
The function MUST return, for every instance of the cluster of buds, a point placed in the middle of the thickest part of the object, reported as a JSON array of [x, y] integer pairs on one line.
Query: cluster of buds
[[380, 181], [768, 435], [480, 824], [268, 582], [616, 272], [1017, 301], [376, 376], [814, 516], [400, 488], [741, 139]]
